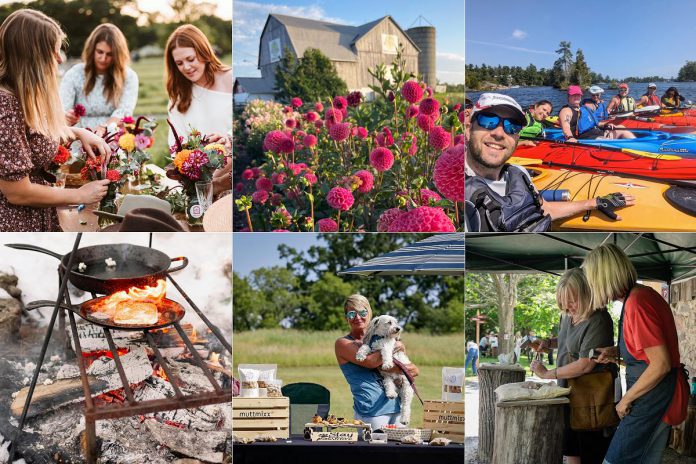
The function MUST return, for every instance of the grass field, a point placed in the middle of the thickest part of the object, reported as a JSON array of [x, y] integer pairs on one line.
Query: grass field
[[309, 357], [152, 101]]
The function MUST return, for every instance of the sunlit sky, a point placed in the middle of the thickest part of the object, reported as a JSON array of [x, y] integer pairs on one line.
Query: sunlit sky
[[224, 7]]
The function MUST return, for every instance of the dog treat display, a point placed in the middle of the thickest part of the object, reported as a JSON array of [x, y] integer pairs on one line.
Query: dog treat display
[[249, 379], [257, 378], [410, 440], [452, 383], [440, 441], [274, 388]]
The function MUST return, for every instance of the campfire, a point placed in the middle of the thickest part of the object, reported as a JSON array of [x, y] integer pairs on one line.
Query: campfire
[[133, 382]]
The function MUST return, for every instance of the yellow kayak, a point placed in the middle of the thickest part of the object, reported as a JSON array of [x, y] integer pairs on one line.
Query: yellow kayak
[[652, 211]]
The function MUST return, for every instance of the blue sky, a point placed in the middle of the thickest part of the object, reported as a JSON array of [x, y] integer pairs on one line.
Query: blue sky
[[628, 38], [254, 250], [446, 15]]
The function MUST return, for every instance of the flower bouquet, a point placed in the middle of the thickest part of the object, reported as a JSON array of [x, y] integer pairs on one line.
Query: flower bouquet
[[193, 161], [53, 169], [131, 139]]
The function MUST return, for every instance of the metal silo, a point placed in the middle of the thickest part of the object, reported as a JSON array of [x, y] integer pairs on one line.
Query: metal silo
[[424, 37]]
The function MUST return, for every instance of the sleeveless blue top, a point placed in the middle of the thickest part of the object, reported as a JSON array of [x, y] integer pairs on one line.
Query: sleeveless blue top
[[365, 384]]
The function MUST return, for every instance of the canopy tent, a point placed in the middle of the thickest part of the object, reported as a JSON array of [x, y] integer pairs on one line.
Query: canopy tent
[[441, 254], [667, 257]]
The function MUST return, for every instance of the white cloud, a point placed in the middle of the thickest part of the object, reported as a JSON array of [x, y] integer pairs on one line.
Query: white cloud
[[510, 47], [450, 56], [518, 34]]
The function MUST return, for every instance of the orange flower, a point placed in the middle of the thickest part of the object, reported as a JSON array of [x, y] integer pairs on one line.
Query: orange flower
[[180, 158]]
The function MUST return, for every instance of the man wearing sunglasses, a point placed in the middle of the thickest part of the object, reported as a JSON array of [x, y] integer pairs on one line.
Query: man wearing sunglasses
[[501, 196]]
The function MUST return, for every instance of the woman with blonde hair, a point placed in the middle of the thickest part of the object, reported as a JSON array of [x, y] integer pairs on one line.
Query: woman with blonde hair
[[199, 86], [370, 403], [583, 327], [656, 386], [32, 125], [102, 83]]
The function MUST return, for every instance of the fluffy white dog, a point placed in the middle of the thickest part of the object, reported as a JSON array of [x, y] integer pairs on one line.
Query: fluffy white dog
[[381, 335]]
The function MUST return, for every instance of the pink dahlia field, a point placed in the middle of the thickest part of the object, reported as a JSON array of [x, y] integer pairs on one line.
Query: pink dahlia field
[[390, 161]]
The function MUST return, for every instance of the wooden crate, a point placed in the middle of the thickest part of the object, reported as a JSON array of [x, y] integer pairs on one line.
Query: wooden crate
[[445, 418], [261, 416]]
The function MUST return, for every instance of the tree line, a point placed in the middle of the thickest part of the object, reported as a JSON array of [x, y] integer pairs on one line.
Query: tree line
[[79, 17], [568, 69], [308, 294]]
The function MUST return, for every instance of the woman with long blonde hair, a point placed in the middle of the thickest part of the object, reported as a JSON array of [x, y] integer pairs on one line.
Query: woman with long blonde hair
[[656, 386], [199, 86], [582, 328], [103, 83], [32, 124]]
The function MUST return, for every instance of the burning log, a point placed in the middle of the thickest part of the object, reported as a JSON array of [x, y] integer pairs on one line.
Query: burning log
[[201, 445], [102, 376], [92, 338]]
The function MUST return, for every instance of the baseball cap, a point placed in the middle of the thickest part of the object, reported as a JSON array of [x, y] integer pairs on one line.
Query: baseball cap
[[501, 105], [595, 89], [623, 85], [574, 90], [652, 85]]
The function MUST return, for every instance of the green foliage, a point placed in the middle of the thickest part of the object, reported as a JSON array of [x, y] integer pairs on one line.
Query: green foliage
[[580, 74], [309, 295], [535, 308], [311, 78], [257, 119], [687, 72]]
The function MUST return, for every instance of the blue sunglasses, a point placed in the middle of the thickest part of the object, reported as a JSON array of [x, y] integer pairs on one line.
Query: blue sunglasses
[[490, 122]]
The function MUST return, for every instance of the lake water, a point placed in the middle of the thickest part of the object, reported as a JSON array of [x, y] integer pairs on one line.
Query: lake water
[[527, 96]]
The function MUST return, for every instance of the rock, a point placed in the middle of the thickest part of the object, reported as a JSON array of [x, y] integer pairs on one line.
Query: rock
[[10, 318]]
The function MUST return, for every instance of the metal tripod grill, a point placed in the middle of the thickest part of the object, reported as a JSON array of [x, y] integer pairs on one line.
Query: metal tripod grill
[[131, 407]]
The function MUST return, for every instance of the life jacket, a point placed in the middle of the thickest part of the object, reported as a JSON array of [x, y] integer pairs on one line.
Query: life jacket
[[533, 128], [652, 99], [583, 120], [670, 103], [626, 104], [601, 111], [518, 211]]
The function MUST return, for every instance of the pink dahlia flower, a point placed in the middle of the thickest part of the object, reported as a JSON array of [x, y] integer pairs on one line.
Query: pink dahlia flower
[[412, 92], [407, 138], [311, 177], [354, 98], [387, 218], [290, 123], [277, 178], [311, 116], [339, 131], [264, 183], [319, 107], [422, 219], [427, 194], [367, 180], [449, 173], [332, 116], [327, 225], [260, 197], [439, 138], [425, 122], [381, 159], [309, 141], [248, 174], [340, 198], [362, 133], [429, 106], [296, 102], [340, 103], [274, 140], [412, 111]]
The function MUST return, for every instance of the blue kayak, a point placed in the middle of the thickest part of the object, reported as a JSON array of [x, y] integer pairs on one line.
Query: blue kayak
[[646, 140]]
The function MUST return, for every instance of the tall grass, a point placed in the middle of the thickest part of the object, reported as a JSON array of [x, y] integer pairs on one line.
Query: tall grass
[[309, 357]]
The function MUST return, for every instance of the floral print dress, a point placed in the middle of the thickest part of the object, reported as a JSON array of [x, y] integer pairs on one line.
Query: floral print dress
[[98, 109], [23, 153]]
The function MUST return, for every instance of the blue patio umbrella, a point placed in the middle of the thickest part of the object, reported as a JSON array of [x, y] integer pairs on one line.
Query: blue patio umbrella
[[441, 254]]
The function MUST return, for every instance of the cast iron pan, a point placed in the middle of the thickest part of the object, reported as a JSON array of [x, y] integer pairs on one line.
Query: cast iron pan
[[169, 312], [136, 266]]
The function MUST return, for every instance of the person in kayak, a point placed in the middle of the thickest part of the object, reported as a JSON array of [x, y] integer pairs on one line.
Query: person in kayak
[[601, 112], [649, 98], [536, 121], [580, 121], [671, 99], [501, 196], [621, 103]]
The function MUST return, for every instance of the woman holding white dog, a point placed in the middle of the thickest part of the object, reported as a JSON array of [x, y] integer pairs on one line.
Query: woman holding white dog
[[370, 403]]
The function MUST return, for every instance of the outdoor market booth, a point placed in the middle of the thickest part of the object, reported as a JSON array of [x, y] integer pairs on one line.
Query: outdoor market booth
[[293, 423], [662, 257]]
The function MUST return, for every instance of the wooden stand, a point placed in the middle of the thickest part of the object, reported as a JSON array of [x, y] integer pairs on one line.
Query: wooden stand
[[529, 431], [491, 376], [684, 436], [261, 416]]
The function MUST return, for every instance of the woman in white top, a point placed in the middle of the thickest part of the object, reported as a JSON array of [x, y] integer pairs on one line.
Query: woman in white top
[[200, 92], [103, 82]]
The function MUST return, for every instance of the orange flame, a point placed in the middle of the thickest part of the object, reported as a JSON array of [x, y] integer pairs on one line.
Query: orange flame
[[148, 294]]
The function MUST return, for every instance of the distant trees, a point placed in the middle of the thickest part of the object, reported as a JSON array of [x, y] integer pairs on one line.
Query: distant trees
[[687, 72], [312, 78]]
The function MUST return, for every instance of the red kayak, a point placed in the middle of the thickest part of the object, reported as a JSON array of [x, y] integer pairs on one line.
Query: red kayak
[[648, 124], [612, 161]]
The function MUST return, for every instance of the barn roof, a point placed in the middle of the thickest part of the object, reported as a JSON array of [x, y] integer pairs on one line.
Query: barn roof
[[255, 85], [336, 41]]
